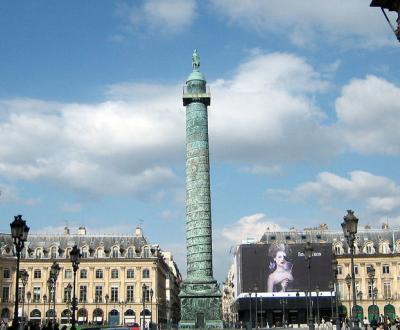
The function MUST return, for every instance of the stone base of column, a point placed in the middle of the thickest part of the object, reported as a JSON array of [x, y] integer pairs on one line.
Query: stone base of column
[[200, 306]]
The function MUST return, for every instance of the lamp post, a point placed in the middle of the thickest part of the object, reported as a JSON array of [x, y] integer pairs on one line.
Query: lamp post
[[75, 256], [50, 283], [24, 279], [255, 292], [106, 297], [318, 315], [19, 233], [375, 295], [44, 308], [144, 303], [331, 287], [251, 321], [28, 297], [371, 275], [349, 226], [283, 302], [308, 253], [69, 290], [335, 274], [151, 308], [54, 271], [348, 283], [122, 304], [262, 313]]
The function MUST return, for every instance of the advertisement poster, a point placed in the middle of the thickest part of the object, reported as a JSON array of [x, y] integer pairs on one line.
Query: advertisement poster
[[282, 267]]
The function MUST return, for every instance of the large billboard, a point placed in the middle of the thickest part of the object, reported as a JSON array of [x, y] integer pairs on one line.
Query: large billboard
[[279, 268]]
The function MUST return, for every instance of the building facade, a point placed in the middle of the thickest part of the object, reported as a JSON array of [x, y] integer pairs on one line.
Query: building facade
[[113, 274], [377, 248]]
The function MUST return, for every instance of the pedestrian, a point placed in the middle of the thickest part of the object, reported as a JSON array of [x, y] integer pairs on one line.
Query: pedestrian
[[365, 323], [374, 323]]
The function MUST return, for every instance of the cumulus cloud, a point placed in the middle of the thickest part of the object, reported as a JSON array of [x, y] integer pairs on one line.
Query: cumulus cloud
[[379, 194], [163, 16], [263, 115], [349, 22], [248, 227], [369, 115], [266, 113]]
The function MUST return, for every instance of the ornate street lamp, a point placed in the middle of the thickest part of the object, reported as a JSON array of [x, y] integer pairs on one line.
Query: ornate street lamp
[[50, 286], [349, 226], [251, 321], [75, 256], [69, 291], [308, 253], [54, 271], [19, 233], [335, 274], [24, 279], [371, 275], [144, 287], [318, 313], [283, 302], [106, 297], [331, 288], [255, 292], [44, 308], [348, 283], [28, 297], [151, 308]]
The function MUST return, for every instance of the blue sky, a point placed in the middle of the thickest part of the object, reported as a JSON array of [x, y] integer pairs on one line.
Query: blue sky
[[304, 117]]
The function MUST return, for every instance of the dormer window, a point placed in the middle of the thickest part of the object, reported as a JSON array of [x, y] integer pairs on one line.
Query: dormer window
[[115, 252], [146, 252], [84, 252], [369, 248], [53, 252], [99, 253], [130, 253]]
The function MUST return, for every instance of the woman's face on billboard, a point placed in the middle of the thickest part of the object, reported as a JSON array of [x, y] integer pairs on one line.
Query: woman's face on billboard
[[280, 258]]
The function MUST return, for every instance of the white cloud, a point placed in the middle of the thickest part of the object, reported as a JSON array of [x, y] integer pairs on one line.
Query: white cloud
[[163, 16], [379, 194], [248, 227], [340, 22], [369, 114], [265, 115]]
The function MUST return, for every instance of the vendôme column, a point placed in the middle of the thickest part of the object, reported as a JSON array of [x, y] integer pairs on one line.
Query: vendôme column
[[200, 295]]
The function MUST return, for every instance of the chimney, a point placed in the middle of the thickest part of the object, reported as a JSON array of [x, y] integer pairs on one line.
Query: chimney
[[66, 230], [138, 232], [81, 231]]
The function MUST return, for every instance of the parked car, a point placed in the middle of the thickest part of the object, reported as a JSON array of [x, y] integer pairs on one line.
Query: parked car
[[133, 326]]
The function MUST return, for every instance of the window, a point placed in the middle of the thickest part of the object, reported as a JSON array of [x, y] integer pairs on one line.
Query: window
[[53, 252], [68, 273], [338, 249], [146, 273], [146, 252], [36, 294], [6, 293], [67, 295], [129, 293], [83, 293], [98, 293], [21, 293], [370, 249], [114, 273], [339, 270], [130, 253], [146, 293], [83, 273], [37, 273], [130, 273], [99, 253], [356, 269], [6, 273], [84, 252], [385, 269], [99, 273], [341, 290], [387, 292], [115, 252], [114, 294], [385, 248], [38, 253]]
